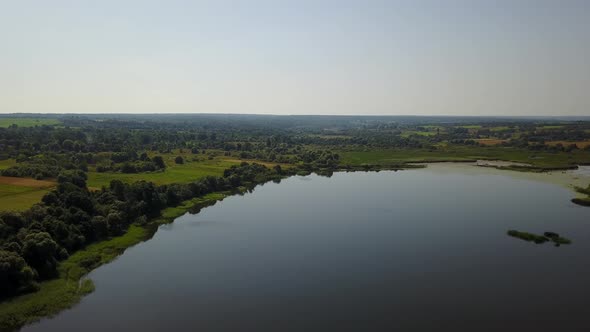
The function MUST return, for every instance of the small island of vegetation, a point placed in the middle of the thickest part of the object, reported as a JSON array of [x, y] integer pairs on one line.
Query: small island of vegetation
[[540, 239], [584, 201]]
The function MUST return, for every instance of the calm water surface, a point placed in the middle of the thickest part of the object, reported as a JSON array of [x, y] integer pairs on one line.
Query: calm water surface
[[416, 250]]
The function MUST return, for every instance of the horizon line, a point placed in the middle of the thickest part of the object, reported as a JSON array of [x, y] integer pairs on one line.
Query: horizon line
[[294, 115]]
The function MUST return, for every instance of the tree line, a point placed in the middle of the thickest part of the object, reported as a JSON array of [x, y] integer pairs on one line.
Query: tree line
[[71, 217]]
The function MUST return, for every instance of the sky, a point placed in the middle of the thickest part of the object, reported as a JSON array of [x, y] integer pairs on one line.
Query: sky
[[439, 57]]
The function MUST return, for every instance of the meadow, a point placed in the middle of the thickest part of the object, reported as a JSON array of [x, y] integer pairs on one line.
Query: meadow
[[194, 167], [408, 133], [174, 173], [27, 122], [6, 163], [386, 157], [19, 194]]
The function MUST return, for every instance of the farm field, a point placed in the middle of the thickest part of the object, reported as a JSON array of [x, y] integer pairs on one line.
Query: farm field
[[27, 122], [189, 171], [4, 164], [463, 153], [409, 133], [195, 166], [21, 193], [17, 194]]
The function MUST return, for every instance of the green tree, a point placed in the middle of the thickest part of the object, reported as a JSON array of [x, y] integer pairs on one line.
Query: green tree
[[15, 275], [39, 251], [159, 161]]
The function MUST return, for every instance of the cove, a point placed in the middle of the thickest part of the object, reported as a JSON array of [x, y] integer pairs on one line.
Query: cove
[[414, 250]]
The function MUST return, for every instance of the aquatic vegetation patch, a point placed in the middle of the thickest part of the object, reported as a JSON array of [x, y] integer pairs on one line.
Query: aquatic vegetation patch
[[539, 239]]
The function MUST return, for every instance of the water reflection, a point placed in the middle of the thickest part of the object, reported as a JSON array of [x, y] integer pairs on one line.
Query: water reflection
[[418, 250]]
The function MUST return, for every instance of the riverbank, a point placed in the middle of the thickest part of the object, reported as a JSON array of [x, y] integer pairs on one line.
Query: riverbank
[[62, 293], [238, 260], [71, 286], [583, 198], [571, 179]]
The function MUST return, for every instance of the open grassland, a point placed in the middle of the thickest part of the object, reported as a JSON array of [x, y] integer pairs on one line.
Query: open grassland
[[174, 173], [7, 163], [27, 122], [464, 153], [499, 128], [550, 127], [409, 133], [18, 194], [393, 157], [330, 136], [195, 166], [470, 126], [15, 198]]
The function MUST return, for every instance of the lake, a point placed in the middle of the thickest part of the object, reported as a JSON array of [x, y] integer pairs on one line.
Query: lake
[[415, 250]]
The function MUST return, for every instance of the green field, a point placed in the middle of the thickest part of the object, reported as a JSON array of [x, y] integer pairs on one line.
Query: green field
[[500, 128], [174, 173], [462, 153], [27, 122], [21, 194], [4, 164], [409, 133], [551, 127], [19, 198]]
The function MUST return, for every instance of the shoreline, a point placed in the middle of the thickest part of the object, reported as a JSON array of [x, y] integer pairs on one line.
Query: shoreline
[[572, 179], [73, 284], [64, 292]]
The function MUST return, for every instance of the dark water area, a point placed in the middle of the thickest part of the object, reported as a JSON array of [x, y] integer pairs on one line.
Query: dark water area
[[415, 250]]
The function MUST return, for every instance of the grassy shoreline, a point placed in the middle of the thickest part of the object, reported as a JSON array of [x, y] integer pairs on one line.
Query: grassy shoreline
[[584, 200], [72, 285]]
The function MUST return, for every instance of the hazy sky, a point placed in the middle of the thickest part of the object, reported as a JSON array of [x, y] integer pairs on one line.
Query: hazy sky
[[296, 57]]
